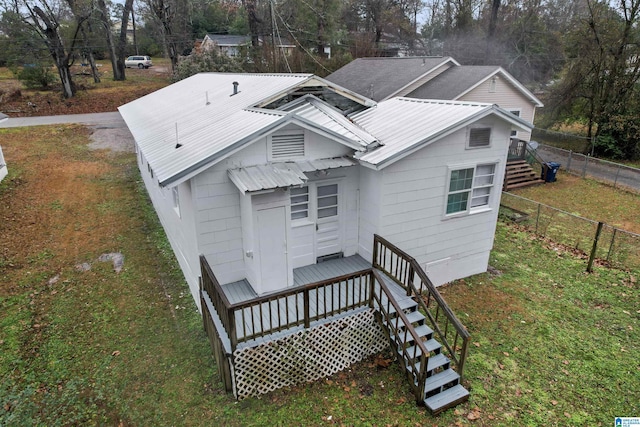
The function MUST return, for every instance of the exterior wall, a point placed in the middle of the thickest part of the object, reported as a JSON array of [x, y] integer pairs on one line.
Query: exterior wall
[[3, 166], [424, 79], [370, 210], [304, 231], [221, 233], [414, 202], [507, 97], [178, 223]]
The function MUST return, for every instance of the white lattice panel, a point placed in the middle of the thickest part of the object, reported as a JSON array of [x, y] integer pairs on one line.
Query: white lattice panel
[[307, 355]]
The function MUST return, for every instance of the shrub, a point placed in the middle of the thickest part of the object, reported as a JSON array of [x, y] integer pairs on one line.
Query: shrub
[[36, 76]]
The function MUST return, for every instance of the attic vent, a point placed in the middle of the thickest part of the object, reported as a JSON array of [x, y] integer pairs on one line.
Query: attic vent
[[480, 137], [286, 146]]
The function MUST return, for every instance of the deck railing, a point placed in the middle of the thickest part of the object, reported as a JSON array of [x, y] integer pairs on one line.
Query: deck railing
[[406, 271], [517, 149], [402, 334], [275, 312]]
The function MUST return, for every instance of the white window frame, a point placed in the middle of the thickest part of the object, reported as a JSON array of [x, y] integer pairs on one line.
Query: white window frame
[[516, 112], [287, 132], [468, 143], [475, 186], [175, 199], [307, 217]]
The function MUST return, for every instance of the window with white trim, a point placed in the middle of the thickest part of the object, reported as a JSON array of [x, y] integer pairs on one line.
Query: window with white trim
[[299, 202], [327, 200], [479, 137], [517, 114], [470, 188], [176, 199]]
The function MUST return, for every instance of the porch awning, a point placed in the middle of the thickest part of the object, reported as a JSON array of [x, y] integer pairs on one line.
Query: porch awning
[[282, 175]]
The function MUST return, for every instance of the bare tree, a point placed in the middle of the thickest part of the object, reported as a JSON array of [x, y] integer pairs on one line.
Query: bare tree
[[45, 21]]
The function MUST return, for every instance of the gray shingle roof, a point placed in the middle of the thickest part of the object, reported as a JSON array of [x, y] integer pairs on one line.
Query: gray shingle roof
[[229, 39], [378, 78], [454, 82]]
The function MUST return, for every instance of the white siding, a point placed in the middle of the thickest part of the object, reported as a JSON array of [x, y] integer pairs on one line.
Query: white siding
[[3, 166], [413, 206], [507, 97], [179, 227], [370, 208], [218, 208]]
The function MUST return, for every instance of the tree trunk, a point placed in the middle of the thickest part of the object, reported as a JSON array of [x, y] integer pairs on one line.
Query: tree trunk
[[56, 49], [89, 53], [106, 22], [135, 38], [122, 41]]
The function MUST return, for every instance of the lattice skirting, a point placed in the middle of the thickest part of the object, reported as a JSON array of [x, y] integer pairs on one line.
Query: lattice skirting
[[307, 355]]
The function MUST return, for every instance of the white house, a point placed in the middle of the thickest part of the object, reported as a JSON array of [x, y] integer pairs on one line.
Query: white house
[[266, 173], [439, 78], [3, 165], [232, 45]]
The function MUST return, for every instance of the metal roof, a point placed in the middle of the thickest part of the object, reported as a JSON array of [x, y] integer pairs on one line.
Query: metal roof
[[313, 109], [282, 175], [379, 78], [404, 125]]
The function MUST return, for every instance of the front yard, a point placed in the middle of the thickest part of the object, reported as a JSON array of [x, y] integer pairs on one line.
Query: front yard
[[551, 345]]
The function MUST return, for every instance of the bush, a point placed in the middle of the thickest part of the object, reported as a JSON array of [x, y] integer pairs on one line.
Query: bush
[[36, 76]]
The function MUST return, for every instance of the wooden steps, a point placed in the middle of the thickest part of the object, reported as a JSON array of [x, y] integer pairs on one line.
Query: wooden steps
[[442, 388], [519, 174]]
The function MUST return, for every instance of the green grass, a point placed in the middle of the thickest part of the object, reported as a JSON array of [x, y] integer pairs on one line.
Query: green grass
[[551, 345]]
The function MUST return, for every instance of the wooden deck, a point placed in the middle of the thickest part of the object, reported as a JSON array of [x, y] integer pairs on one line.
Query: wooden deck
[[278, 313]]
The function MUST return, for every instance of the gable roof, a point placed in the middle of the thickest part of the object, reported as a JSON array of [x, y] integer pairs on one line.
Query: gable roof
[[379, 78], [418, 122], [194, 123], [458, 81], [383, 78]]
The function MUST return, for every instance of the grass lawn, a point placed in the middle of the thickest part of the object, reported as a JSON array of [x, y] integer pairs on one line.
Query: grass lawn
[[551, 345], [589, 199]]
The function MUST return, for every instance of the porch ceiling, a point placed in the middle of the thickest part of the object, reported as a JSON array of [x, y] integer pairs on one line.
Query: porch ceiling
[[282, 175]]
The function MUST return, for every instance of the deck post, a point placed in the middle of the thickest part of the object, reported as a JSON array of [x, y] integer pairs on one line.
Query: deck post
[[305, 298], [592, 256], [233, 335]]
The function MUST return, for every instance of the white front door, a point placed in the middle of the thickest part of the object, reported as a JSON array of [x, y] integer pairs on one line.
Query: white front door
[[328, 224], [272, 243]]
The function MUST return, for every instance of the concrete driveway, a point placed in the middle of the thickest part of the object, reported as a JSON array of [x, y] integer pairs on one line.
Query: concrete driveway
[[109, 131]]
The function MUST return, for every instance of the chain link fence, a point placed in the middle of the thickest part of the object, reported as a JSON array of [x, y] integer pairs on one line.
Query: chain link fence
[[618, 247], [612, 173]]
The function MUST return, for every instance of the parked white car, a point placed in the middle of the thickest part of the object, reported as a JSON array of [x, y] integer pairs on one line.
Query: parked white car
[[138, 61]]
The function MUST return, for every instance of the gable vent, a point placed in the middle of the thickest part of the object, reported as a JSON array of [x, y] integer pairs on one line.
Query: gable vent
[[287, 146], [480, 137]]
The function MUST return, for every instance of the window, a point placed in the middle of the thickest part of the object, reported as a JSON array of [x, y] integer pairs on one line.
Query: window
[[176, 200], [300, 202], [470, 188], [327, 200], [479, 137], [517, 114], [287, 145]]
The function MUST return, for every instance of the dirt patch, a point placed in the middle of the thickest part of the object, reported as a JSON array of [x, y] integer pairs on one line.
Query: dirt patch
[[114, 139]]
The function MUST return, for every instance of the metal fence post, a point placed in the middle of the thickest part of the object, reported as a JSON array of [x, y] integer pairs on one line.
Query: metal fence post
[[569, 162], [613, 240], [538, 217], [615, 182], [594, 248], [584, 168]]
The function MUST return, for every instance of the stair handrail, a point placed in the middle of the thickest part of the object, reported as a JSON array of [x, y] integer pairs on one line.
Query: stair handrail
[[534, 154], [420, 374], [426, 284]]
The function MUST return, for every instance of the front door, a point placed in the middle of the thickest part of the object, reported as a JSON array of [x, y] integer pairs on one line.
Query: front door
[[328, 227], [272, 241]]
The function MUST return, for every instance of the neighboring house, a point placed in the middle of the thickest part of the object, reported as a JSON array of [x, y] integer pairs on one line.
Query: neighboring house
[[3, 165], [438, 78], [263, 180], [232, 45]]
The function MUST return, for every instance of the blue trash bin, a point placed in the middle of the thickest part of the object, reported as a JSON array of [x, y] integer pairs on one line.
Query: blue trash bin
[[549, 171]]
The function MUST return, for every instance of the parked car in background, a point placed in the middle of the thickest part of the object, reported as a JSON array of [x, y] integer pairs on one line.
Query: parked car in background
[[138, 61]]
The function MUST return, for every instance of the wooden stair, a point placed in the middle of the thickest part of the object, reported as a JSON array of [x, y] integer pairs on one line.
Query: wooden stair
[[519, 174], [442, 388]]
